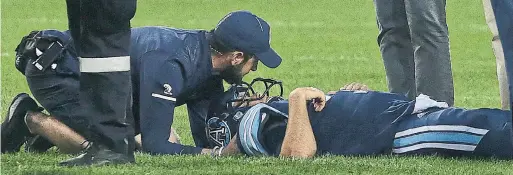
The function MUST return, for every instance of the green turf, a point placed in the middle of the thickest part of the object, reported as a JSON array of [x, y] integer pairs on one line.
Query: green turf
[[324, 44]]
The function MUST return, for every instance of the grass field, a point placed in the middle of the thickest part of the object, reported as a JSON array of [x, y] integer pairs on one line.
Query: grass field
[[324, 44]]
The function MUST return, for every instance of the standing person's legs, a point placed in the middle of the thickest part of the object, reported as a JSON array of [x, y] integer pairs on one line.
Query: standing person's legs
[[430, 39], [499, 54], [103, 43], [74, 15], [395, 44], [503, 11]]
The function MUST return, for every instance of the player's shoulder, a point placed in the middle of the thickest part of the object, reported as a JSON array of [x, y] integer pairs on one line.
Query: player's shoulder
[[367, 93], [281, 105], [370, 97], [171, 40], [162, 31]]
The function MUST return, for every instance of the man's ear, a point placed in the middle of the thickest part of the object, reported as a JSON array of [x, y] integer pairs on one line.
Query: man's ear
[[238, 58]]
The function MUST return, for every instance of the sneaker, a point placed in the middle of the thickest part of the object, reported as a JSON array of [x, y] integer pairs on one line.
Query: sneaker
[[14, 130], [97, 155]]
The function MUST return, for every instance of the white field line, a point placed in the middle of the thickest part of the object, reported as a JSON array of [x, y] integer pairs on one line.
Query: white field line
[[5, 54], [274, 23], [354, 57]]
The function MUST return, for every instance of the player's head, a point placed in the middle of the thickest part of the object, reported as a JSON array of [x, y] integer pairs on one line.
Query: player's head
[[228, 108], [261, 130], [239, 42]]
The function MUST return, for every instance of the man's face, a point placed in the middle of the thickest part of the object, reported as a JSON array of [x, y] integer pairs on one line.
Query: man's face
[[234, 73]]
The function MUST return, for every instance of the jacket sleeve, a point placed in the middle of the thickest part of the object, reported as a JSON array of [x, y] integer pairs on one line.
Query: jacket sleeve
[[198, 111], [161, 81]]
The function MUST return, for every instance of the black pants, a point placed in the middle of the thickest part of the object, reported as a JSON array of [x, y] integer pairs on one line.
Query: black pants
[[101, 33]]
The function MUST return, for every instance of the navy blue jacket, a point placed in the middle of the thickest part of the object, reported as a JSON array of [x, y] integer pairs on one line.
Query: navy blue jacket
[[171, 67]]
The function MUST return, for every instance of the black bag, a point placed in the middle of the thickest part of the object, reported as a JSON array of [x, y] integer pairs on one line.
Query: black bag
[[41, 51]]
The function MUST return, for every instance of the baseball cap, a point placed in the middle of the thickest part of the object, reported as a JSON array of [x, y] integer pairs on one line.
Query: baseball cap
[[246, 32]]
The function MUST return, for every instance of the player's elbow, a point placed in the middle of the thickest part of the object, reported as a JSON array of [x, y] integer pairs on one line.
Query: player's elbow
[[298, 152]]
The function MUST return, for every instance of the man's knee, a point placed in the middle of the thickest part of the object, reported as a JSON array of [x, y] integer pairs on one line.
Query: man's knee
[[58, 95], [396, 35], [35, 120]]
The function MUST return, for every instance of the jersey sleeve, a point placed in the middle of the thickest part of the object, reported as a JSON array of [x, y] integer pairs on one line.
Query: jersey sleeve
[[161, 81]]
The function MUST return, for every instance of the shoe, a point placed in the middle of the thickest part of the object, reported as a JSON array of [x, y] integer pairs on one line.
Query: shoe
[[14, 130], [97, 155], [37, 144]]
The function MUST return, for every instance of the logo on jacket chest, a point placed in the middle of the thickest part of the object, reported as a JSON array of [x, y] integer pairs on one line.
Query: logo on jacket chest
[[168, 89]]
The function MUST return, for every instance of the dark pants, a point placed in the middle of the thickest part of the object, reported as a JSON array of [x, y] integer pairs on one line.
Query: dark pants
[[101, 33], [59, 95], [414, 43], [503, 10], [58, 92]]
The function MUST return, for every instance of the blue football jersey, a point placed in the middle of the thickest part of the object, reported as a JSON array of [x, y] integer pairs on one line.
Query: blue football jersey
[[352, 123]]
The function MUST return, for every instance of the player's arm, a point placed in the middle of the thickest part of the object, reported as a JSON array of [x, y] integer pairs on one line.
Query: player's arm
[[173, 138], [299, 139], [161, 81], [198, 111]]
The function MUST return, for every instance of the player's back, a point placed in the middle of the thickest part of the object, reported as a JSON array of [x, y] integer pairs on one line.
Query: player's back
[[356, 122], [157, 38], [187, 46]]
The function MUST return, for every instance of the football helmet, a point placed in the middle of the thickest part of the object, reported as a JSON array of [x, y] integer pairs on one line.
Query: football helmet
[[227, 110]]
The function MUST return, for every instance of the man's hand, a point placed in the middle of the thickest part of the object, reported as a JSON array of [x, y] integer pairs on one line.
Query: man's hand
[[206, 151], [253, 102], [352, 87], [309, 93], [231, 148], [355, 87], [228, 150]]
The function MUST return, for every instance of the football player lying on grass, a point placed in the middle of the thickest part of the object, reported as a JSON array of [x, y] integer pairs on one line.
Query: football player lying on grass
[[357, 121]]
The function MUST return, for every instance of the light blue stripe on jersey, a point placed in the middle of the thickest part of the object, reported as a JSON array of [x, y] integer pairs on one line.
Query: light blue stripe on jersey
[[446, 137]]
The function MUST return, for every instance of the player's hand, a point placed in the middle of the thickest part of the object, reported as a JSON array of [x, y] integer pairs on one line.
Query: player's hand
[[231, 148], [256, 96], [253, 101], [333, 92], [317, 96], [355, 87]]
